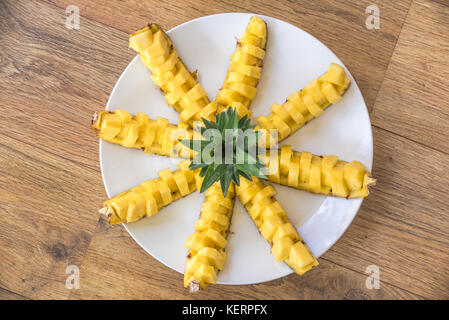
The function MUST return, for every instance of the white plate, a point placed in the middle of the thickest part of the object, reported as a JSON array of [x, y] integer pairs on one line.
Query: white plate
[[293, 58]]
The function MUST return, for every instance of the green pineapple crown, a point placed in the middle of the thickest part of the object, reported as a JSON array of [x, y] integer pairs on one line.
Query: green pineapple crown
[[228, 149]]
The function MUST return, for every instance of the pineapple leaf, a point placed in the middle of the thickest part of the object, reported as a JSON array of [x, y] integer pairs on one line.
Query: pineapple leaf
[[236, 176], [195, 145], [250, 169], [194, 166], [203, 171], [245, 175], [212, 175], [243, 121], [212, 159], [209, 124], [225, 180]]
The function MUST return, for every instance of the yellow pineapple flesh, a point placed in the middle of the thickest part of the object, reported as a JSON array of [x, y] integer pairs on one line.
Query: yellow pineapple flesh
[[324, 175], [179, 85], [207, 244], [149, 197], [140, 132], [240, 85], [274, 225], [303, 106]]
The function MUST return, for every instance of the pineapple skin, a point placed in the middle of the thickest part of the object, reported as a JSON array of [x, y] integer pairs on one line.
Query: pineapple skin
[[274, 225], [240, 84], [149, 197], [207, 244], [180, 87], [318, 174], [140, 132], [304, 105]]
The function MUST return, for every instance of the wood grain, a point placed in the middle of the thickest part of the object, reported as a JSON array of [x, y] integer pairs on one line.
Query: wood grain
[[48, 203], [48, 216], [52, 79], [413, 100], [403, 226], [116, 267], [8, 295], [339, 25], [48, 97]]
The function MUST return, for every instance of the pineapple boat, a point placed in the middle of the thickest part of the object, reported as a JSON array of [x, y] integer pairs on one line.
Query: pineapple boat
[[149, 197], [180, 87], [304, 105], [273, 224], [325, 175], [318, 174], [240, 85], [140, 132], [207, 245]]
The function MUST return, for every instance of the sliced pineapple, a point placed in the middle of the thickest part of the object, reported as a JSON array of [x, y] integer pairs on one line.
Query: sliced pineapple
[[180, 87], [207, 245], [274, 225], [148, 198], [140, 132], [240, 85], [303, 106], [324, 175]]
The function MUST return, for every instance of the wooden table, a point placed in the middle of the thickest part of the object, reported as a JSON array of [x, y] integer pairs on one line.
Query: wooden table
[[52, 79]]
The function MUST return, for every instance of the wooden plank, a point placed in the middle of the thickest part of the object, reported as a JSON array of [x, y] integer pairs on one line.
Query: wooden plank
[[442, 2], [403, 226], [413, 99], [8, 295], [48, 211], [115, 267], [53, 79], [339, 25]]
